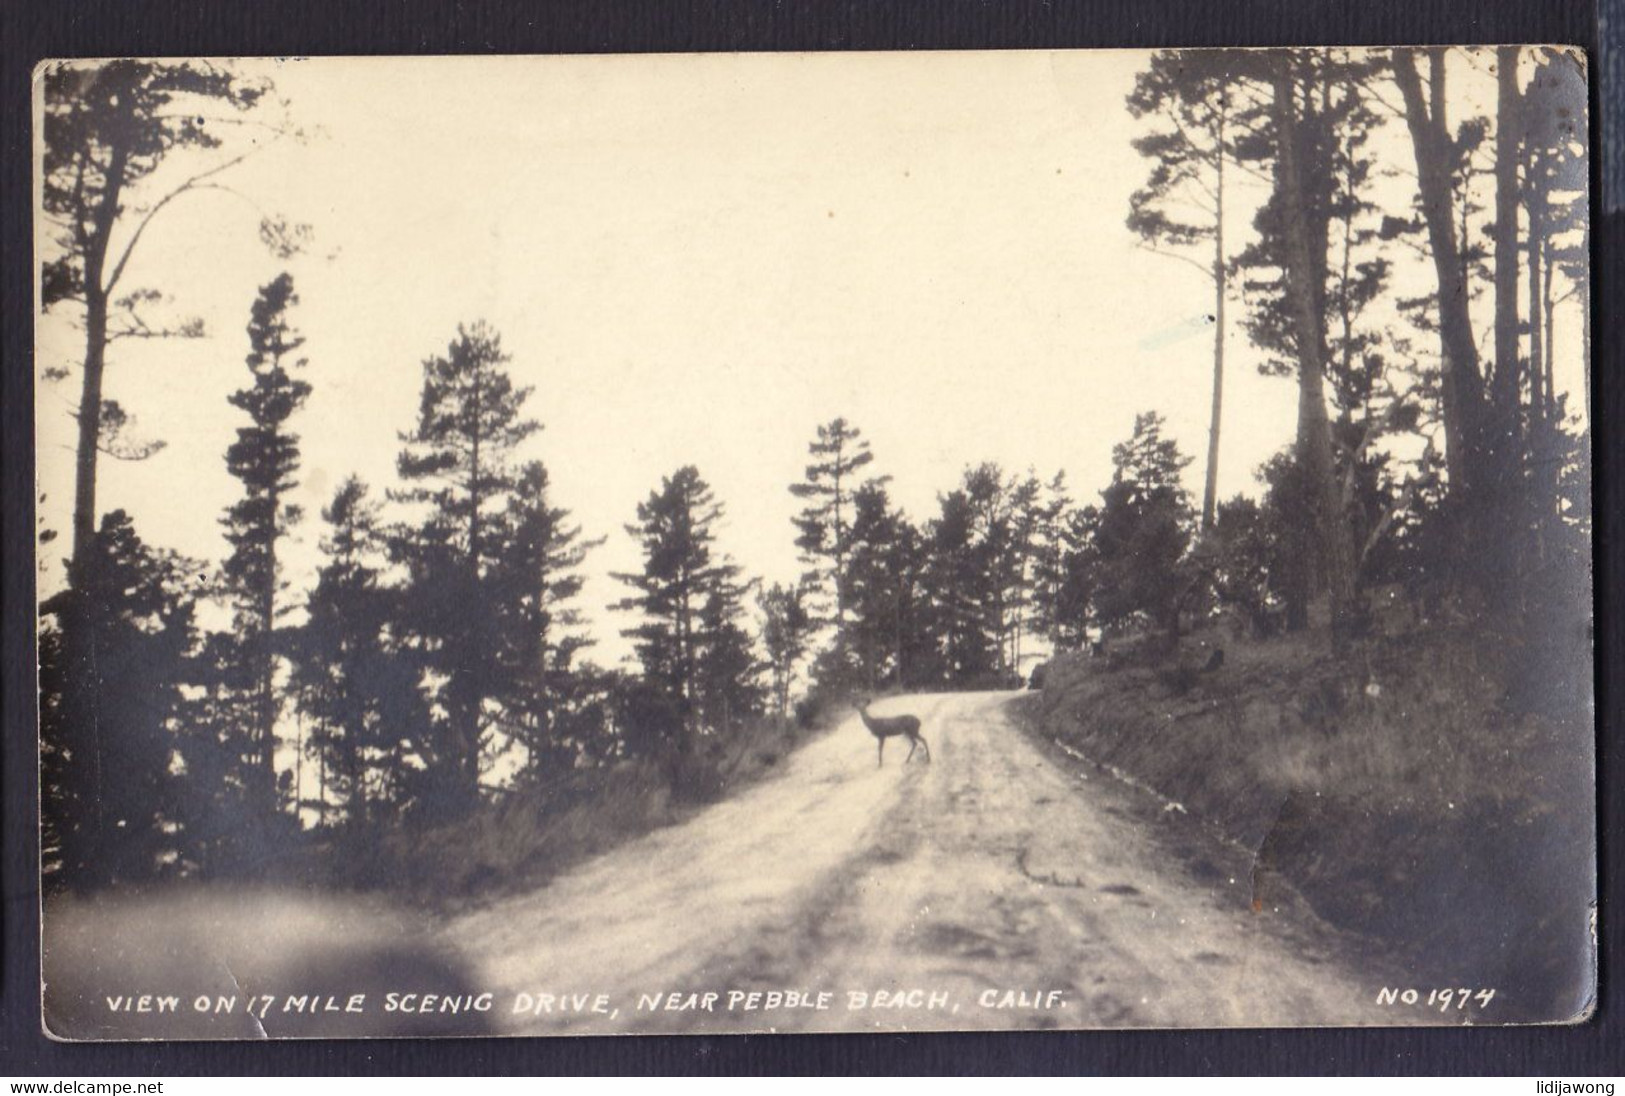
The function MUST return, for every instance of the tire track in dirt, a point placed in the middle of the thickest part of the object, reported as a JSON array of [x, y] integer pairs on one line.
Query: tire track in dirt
[[989, 871]]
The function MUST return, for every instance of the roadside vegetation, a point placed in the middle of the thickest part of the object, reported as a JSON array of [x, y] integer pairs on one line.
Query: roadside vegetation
[[1378, 654]]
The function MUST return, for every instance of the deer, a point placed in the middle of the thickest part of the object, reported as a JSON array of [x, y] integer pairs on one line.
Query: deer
[[891, 726]]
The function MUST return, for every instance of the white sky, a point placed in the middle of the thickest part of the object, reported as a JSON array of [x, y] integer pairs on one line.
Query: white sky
[[693, 260]]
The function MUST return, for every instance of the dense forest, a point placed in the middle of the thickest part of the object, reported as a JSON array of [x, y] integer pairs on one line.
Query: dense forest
[[1409, 287]]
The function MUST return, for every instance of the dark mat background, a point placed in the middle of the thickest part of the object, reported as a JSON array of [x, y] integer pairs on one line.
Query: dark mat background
[[34, 29]]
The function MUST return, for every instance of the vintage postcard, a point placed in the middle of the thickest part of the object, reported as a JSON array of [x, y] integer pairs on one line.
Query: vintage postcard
[[843, 542]]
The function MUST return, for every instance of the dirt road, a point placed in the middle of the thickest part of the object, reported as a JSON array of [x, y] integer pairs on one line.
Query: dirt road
[[995, 887]]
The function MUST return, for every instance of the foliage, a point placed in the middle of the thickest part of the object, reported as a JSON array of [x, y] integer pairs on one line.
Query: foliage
[[265, 458], [689, 640], [823, 527], [1142, 531], [535, 584], [108, 128], [958, 599], [437, 684], [883, 592], [478, 563], [112, 671], [785, 630], [354, 684]]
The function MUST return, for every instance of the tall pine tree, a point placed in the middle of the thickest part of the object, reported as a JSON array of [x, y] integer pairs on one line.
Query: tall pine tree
[[1310, 134], [1142, 531], [786, 626], [957, 583], [686, 593], [108, 738], [1189, 96], [1053, 545], [823, 527], [356, 688], [534, 585], [460, 463], [882, 581], [265, 458], [108, 129]]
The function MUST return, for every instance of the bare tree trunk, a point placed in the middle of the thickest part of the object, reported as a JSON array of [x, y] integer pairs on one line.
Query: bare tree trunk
[[1324, 499], [78, 642], [1462, 387], [267, 674], [1585, 323], [1210, 485], [90, 413], [1543, 425], [1548, 386], [95, 247], [298, 768], [1533, 204], [1504, 451], [686, 669], [321, 786], [897, 640], [1507, 153]]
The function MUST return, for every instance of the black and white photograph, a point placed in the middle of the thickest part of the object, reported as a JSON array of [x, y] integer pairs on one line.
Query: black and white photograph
[[850, 542]]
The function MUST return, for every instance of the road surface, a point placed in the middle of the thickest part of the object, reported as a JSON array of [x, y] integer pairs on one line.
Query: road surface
[[998, 886]]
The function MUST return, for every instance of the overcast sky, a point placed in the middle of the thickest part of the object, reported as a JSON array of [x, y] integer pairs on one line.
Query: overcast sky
[[693, 260]]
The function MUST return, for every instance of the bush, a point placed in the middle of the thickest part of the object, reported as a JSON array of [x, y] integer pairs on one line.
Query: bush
[[823, 706]]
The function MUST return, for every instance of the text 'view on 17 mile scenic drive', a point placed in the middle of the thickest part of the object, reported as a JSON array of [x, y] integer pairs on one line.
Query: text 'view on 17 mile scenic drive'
[[814, 542]]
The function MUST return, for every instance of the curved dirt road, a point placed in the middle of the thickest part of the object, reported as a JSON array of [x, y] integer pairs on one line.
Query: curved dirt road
[[996, 887]]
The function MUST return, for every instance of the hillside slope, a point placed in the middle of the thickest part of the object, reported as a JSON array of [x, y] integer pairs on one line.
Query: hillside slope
[[1395, 788]]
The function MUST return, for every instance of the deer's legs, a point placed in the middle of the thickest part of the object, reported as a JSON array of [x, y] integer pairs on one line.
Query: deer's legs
[[914, 744], [880, 754]]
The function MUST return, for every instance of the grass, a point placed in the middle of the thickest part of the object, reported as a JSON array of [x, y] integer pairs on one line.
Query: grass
[[530, 835], [1395, 785]]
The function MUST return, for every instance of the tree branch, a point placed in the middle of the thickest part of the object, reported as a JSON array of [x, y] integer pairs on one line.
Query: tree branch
[[1387, 520], [196, 182], [1203, 267]]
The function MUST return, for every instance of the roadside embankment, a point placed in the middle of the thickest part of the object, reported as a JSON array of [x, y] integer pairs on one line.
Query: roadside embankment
[[1392, 786]]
